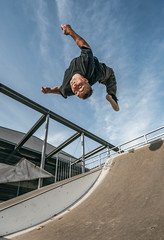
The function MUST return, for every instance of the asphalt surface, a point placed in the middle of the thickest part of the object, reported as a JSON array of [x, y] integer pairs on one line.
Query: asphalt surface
[[127, 205]]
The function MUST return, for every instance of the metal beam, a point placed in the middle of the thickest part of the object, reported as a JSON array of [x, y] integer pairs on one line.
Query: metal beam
[[26, 101], [96, 150], [82, 152], [64, 144], [31, 132], [42, 164]]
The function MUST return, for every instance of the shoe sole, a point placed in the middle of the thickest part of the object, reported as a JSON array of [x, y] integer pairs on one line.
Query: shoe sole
[[112, 102]]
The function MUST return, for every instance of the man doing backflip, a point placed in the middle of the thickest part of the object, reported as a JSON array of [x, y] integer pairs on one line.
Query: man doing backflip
[[83, 72]]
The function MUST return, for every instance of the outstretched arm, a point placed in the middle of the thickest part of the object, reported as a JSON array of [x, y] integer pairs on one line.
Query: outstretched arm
[[67, 30], [55, 90]]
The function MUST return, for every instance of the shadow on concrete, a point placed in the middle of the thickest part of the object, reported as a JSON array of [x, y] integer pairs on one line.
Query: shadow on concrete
[[155, 145]]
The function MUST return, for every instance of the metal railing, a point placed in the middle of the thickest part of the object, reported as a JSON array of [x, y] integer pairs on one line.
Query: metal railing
[[65, 169], [100, 159]]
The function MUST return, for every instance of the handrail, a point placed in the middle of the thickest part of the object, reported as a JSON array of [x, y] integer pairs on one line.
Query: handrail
[[123, 150]]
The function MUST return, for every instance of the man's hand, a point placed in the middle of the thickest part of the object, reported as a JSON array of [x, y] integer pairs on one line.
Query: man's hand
[[55, 90], [66, 29], [46, 90]]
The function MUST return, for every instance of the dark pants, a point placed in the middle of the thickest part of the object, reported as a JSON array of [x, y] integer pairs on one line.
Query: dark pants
[[109, 81]]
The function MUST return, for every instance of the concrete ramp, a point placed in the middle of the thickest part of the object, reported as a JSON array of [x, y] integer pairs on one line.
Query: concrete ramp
[[127, 205], [41, 205]]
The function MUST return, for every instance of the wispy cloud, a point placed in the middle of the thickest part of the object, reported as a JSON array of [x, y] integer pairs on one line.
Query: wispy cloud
[[64, 9], [137, 86], [137, 110], [43, 24], [45, 31]]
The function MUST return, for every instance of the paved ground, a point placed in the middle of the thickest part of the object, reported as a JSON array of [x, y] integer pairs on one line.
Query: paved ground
[[127, 205]]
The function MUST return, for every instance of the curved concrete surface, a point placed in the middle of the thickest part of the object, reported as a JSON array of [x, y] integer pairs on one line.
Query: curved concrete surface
[[127, 205], [40, 205]]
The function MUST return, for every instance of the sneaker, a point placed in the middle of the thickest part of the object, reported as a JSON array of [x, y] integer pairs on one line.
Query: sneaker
[[113, 101]]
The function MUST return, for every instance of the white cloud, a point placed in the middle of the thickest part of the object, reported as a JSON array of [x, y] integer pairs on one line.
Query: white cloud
[[43, 24], [65, 10], [48, 49], [57, 138], [137, 110]]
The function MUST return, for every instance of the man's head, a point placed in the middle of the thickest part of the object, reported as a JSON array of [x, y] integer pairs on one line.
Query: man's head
[[80, 86]]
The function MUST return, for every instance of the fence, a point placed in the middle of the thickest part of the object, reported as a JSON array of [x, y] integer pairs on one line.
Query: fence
[[67, 169], [99, 159]]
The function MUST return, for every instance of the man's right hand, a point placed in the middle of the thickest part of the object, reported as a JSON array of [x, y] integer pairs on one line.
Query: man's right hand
[[46, 90], [66, 29]]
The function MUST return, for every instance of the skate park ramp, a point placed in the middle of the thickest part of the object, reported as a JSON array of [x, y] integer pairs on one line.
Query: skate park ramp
[[127, 205]]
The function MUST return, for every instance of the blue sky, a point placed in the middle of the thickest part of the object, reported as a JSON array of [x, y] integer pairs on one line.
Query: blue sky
[[128, 35]]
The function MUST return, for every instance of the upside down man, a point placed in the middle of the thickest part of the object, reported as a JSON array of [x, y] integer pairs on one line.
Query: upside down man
[[83, 72]]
